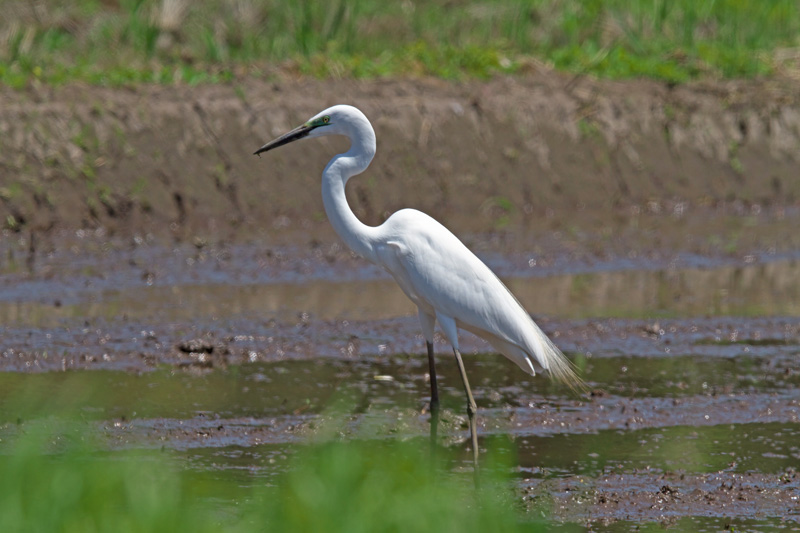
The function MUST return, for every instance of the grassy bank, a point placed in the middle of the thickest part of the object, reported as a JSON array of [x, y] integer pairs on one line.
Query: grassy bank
[[168, 41]]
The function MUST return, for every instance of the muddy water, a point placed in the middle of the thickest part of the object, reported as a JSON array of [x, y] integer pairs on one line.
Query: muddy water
[[692, 419], [755, 289]]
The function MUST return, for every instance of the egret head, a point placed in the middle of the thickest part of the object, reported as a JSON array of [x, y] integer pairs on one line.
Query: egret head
[[336, 120]]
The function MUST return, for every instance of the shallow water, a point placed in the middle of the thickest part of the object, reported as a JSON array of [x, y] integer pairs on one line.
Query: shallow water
[[662, 417], [693, 374], [757, 289], [284, 387]]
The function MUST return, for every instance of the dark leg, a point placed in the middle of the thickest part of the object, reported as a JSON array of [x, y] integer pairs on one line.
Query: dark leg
[[471, 410], [434, 397]]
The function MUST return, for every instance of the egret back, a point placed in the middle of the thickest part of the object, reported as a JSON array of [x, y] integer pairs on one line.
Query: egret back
[[441, 275]]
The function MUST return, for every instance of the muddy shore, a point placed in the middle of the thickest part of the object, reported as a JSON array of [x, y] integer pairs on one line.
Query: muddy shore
[[542, 160], [193, 298]]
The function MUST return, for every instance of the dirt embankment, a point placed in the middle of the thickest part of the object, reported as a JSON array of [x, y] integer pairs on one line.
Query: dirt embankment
[[536, 153]]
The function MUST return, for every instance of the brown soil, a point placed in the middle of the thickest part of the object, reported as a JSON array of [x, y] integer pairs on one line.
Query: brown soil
[[597, 161], [665, 498]]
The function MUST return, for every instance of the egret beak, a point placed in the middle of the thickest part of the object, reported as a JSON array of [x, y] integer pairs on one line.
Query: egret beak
[[295, 134]]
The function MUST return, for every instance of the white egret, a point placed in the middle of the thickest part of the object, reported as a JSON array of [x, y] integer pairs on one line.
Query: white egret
[[445, 280]]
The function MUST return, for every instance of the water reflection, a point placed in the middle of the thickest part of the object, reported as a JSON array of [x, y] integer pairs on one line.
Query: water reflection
[[753, 447], [183, 412], [749, 290]]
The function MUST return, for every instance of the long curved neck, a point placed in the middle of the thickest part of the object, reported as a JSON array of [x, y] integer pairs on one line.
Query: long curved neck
[[357, 235]]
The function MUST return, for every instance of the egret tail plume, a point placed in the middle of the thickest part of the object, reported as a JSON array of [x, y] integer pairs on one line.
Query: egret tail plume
[[558, 366]]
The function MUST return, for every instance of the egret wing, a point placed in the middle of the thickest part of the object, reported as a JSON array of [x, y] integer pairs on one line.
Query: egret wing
[[436, 270]]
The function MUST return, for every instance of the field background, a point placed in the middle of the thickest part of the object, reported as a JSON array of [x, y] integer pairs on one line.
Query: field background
[[606, 142], [140, 116], [168, 41]]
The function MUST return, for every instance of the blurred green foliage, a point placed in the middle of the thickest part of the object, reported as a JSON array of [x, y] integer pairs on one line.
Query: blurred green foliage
[[54, 478], [116, 42], [363, 486]]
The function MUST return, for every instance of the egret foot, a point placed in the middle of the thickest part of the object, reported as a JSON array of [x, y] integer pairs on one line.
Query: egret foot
[[472, 409], [434, 398]]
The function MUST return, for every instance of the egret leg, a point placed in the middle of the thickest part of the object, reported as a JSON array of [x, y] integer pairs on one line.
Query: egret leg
[[434, 397], [471, 410]]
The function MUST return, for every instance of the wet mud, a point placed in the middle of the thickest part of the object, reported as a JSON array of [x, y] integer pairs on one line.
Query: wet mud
[[231, 361], [172, 293]]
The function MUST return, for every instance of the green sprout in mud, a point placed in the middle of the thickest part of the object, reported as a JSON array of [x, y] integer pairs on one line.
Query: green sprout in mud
[[733, 157], [589, 129], [12, 223]]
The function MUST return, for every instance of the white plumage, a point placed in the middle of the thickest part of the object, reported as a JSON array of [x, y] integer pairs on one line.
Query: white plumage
[[446, 281], [449, 283]]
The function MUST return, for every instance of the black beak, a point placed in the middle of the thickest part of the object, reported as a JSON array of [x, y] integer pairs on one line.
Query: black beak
[[295, 134]]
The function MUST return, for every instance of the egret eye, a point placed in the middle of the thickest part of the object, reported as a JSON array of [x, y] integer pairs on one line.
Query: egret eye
[[326, 119]]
